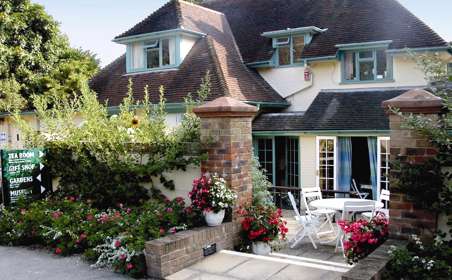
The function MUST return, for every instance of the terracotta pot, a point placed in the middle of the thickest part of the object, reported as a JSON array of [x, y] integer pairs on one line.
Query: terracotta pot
[[214, 219], [261, 248]]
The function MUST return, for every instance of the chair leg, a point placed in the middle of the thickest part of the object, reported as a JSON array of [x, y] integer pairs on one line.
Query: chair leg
[[297, 238], [312, 241]]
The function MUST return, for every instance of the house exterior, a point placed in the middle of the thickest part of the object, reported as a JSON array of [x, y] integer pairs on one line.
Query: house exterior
[[317, 70]]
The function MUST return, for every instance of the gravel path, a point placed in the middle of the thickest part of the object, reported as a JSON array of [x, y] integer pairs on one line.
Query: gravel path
[[18, 263]]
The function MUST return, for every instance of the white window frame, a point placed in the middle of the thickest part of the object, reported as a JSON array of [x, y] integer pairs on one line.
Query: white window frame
[[379, 140], [158, 42], [288, 43], [318, 139]]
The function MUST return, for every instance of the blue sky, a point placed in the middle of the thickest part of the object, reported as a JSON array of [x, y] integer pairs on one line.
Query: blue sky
[[92, 24]]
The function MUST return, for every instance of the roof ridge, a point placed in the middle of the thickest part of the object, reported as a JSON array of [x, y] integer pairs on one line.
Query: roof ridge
[[218, 70], [156, 13]]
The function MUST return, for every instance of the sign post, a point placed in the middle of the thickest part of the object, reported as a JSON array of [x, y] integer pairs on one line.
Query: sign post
[[23, 174]]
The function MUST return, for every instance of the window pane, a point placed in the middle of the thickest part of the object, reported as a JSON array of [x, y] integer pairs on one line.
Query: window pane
[[366, 54], [282, 41], [350, 66], [366, 70], [382, 69], [284, 55], [298, 45], [152, 57], [165, 52]]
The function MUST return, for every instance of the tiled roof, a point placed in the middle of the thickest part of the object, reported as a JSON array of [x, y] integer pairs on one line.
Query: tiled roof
[[216, 53], [335, 110], [278, 121], [348, 21]]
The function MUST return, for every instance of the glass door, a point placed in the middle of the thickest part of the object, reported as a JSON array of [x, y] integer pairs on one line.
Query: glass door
[[326, 163], [383, 155], [264, 150]]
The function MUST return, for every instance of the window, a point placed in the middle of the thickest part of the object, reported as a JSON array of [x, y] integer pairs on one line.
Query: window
[[383, 163], [326, 163], [152, 54], [292, 171], [265, 156], [289, 49], [449, 70], [365, 65]]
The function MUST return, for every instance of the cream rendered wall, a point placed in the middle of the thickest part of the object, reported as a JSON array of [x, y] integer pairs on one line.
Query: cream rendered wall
[[308, 164], [289, 82], [186, 43]]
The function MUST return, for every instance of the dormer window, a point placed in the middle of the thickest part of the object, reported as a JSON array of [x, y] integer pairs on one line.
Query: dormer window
[[290, 43], [158, 51], [366, 62], [289, 49]]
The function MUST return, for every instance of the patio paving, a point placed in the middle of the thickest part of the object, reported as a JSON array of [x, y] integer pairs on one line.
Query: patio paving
[[301, 262]]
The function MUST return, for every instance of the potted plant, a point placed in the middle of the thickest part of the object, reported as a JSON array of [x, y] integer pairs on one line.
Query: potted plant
[[211, 196], [260, 226]]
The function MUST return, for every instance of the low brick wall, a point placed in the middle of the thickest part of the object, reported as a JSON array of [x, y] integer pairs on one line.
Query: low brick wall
[[167, 255], [373, 266]]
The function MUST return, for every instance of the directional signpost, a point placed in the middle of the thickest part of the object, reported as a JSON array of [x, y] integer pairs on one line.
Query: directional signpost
[[23, 174]]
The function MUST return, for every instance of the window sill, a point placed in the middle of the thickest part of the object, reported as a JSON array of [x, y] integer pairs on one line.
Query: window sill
[[367, 82], [153, 70]]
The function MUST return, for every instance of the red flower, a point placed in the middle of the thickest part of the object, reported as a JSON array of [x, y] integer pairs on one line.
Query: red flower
[[122, 257], [117, 243], [162, 231], [129, 266], [58, 251]]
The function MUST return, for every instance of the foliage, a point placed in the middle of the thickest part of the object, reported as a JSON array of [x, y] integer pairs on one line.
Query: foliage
[[363, 237], [421, 261], [262, 223], [261, 185], [210, 193], [70, 226], [36, 58], [107, 159]]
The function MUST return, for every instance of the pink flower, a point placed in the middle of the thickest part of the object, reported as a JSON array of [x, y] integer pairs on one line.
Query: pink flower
[[117, 243], [129, 266], [57, 214], [169, 210], [89, 217], [122, 257]]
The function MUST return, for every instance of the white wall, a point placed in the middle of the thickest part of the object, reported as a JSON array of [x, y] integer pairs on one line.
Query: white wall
[[327, 75], [186, 43], [308, 161], [182, 181]]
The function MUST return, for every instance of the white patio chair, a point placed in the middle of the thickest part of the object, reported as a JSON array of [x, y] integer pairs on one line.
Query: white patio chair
[[309, 225], [384, 198], [361, 195], [311, 194], [349, 210]]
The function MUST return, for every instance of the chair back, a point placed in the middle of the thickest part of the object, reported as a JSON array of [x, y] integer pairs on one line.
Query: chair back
[[384, 197], [309, 195], [352, 207], [294, 204]]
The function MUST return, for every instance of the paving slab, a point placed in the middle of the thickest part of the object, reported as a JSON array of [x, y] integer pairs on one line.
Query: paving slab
[[294, 272], [256, 269], [219, 263]]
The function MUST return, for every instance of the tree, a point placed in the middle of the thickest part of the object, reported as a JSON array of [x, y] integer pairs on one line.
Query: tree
[[35, 58]]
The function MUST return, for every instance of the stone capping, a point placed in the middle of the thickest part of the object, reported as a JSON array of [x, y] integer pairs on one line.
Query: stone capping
[[373, 266], [415, 101], [169, 254], [225, 107]]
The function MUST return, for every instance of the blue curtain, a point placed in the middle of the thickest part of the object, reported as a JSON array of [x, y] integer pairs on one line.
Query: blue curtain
[[372, 144], [344, 163]]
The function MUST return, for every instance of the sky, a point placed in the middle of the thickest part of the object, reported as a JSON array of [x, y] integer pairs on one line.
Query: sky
[[92, 24]]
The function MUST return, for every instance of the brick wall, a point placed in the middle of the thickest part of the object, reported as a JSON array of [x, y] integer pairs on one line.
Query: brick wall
[[167, 255], [409, 146]]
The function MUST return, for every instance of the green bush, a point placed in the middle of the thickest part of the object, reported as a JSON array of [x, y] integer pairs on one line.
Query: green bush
[[418, 260], [68, 226]]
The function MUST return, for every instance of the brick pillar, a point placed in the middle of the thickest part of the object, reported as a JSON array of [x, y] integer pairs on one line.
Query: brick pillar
[[226, 134], [409, 146]]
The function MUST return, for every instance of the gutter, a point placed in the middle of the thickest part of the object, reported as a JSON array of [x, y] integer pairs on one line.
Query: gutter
[[323, 133]]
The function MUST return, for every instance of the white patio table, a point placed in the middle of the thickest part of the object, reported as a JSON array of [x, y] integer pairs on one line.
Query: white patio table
[[338, 203]]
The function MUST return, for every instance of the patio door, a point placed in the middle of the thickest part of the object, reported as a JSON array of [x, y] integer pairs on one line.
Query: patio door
[[326, 162], [264, 149], [383, 154]]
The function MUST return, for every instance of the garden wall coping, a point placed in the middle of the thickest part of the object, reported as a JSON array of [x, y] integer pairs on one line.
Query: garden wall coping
[[373, 266]]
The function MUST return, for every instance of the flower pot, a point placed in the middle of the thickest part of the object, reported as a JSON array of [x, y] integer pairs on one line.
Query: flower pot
[[261, 248], [214, 219]]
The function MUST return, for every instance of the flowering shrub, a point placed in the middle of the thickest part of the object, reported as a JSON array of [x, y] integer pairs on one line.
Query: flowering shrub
[[262, 223], [363, 236], [421, 261], [114, 238], [210, 193]]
